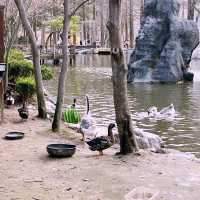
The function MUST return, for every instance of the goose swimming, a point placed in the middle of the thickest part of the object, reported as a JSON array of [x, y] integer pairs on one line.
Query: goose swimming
[[152, 111], [164, 113], [168, 111]]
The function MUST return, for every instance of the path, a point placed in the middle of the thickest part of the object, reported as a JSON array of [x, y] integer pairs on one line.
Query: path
[[27, 173]]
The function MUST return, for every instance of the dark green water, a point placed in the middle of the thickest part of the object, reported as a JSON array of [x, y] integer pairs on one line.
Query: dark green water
[[92, 76]]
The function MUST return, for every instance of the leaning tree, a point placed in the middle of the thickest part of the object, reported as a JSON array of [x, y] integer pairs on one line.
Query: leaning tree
[[62, 76], [128, 142], [61, 84], [36, 59]]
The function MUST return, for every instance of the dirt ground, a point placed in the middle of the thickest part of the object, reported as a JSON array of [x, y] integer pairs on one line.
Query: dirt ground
[[27, 173]]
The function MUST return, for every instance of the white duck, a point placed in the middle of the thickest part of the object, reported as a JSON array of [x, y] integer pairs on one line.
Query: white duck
[[88, 124], [168, 111], [152, 111], [164, 113]]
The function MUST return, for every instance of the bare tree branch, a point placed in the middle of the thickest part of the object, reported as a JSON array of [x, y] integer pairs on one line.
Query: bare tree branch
[[198, 10], [79, 6]]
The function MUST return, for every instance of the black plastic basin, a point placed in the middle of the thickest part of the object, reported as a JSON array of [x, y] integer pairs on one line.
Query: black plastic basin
[[61, 150], [14, 136]]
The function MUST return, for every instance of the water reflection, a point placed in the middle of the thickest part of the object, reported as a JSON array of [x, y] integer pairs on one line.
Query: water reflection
[[92, 76]]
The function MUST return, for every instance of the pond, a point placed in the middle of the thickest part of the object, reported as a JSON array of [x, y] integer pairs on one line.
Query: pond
[[92, 75]]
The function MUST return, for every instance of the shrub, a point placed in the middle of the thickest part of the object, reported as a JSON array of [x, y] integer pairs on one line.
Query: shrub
[[20, 68], [26, 87], [47, 73], [15, 55]]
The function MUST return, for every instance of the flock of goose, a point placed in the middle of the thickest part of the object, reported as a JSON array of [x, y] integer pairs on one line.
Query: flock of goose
[[167, 113], [9, 101], [99, 139]]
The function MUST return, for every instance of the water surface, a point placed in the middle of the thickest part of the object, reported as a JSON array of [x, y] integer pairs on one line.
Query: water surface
[[92, 75]]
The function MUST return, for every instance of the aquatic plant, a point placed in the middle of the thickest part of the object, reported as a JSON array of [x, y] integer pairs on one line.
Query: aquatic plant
[[71, 115]]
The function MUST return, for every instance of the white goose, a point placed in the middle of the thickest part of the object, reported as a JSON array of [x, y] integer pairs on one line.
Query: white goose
[[150, 141], [152, 111], [168, 111], [165, 113], [88, 124], [144, 139]]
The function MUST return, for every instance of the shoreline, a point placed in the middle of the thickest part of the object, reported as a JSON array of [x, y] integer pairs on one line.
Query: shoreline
[[25, 164], [51, 106]]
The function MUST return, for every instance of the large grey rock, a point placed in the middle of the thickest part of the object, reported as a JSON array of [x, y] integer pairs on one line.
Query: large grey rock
[[164, 45]]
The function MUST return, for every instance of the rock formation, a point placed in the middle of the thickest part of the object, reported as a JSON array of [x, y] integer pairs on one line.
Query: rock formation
[[164, 45]]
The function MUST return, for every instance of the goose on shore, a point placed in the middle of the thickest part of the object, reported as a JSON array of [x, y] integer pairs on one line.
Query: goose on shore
[[144, 139], [104, 142], [9, 99], [88, 124], [74, 103], [148, 140], [23, 112]]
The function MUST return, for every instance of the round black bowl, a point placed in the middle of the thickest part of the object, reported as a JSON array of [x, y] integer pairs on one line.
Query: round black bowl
[[14, 136], [61, 150]]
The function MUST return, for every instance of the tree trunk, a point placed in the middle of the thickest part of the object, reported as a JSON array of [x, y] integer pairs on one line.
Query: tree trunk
[[43, 37], [88, 34], [131, 23], [126, 30], [74, 38], [84, 26], [2, 25], [36, 60], [191, 4], [35, 25], [141, 11], [128, 142], [94, 10], [126, 24], [2, 50], [54, 32], [62, 77], [94, 23], [9, 45], [183, 11], [102, 26]]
